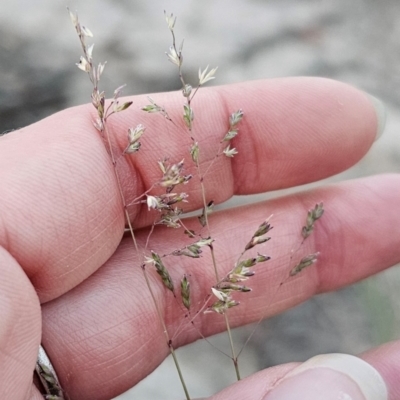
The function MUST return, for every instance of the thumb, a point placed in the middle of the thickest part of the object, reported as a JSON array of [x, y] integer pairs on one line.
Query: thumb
[[331, 377], [328, 377], [20, 329]]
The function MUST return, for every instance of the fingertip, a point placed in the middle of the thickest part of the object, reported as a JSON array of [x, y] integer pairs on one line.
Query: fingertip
[[381, 115], [300, 130], [386, 360]]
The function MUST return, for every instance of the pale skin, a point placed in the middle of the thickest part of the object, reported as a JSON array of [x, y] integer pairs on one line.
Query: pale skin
[[71, 281]]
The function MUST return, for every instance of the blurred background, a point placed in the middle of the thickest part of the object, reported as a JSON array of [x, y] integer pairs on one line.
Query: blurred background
[[357, 42]]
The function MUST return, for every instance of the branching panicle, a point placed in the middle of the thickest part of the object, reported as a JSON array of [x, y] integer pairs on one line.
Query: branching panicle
[[164, 205]]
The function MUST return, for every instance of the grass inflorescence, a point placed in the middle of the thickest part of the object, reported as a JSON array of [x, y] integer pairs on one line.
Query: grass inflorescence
[[167, 194]]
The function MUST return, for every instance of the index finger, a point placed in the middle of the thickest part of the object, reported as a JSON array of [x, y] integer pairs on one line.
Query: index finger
[[62, 216]]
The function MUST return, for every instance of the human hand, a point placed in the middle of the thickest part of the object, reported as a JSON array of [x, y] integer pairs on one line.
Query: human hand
[[62, 223]]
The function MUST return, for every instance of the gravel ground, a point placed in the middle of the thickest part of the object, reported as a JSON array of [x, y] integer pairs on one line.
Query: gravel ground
[[355, 42]]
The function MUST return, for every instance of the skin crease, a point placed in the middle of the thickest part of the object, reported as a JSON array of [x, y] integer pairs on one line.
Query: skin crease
[[99, 325]]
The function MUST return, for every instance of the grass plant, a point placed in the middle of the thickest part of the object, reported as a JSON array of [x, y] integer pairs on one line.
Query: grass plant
[[166, 195]]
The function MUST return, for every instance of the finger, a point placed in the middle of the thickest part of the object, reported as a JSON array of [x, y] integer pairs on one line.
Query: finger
[[35, 394], [326, 376], [331, 376], [386, 360], [108, 326], [20, 330], [62, 216], [294, 131]]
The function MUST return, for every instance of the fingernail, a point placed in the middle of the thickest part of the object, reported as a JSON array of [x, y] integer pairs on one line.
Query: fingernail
[[331, 377], [380, 111]]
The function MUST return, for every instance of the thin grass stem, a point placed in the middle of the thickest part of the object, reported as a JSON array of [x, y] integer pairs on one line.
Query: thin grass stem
[[160, 317]]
